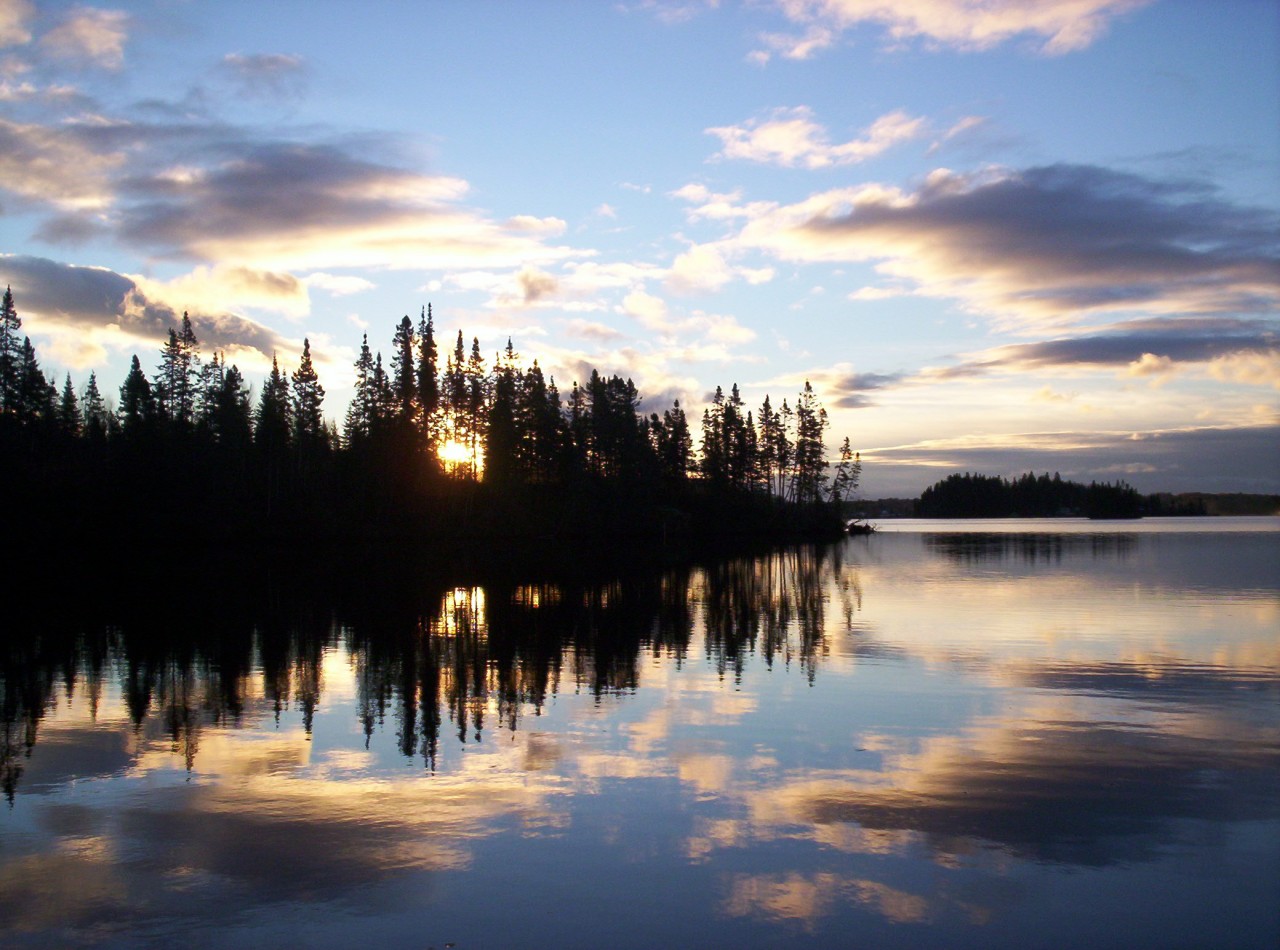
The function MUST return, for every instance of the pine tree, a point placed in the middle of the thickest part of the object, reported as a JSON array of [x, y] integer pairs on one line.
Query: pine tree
[[10, 354], [676, 451], [177, 377], [36, 395], [477, 399], [455, 395], [272, 421], [810, 452], [208, 387], [360, 412], [848, 471], [94, 411], [308, 402], [68, 413], [404, 380], [231, 422], [501, 457], [383, 399], [428, 385], [714, 456], [137, 404]]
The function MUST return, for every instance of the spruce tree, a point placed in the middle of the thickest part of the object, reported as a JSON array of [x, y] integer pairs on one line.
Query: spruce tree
[[36, 395], [94, 411], [810, 453], [361, 410], [177, 377], [68, 413], [10, 353], [272, 420], [137, 404], [404, 380], [308, 402], [428, 385]]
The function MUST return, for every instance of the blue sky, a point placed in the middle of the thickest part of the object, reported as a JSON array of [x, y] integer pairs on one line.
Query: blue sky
[[997, 236]]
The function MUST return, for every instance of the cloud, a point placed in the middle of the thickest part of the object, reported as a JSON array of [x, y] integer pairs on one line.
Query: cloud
[[593, 331], [105, 309], [790, 138], [1057, 26], [702, 268], [55, 166], [209, 289], [1064, 792], [1145, 348], [718, 206], [338, 285], [671, 12], [535, 285], [1043, 246], [266, 75], [285, 206], [89, 37], [15, 17]]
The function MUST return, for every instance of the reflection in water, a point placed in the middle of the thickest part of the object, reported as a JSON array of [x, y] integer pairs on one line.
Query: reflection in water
[[976, 548], [920, 740], [470, 652]]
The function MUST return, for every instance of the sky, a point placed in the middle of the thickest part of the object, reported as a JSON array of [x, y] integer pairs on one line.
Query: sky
[[996, 235]]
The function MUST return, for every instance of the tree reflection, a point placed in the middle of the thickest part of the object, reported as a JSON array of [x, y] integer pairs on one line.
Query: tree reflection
[[427, 654], [975, 548]]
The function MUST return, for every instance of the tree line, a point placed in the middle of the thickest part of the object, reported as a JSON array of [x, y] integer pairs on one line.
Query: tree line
[[454, 445], [1028, 496]]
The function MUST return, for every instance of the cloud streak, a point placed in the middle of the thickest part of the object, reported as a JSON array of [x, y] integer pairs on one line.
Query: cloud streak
[[1054, 26], [790, 138], [1043, 246]]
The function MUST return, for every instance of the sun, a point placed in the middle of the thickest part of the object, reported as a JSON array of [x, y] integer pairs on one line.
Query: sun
[[457, 457]]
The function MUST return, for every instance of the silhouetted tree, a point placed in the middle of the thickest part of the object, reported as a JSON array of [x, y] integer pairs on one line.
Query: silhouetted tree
[[10, 353], [404, 380], [308, 404], [95, 418], [36, 395], [68, 413], [272, 425], [176, 384], [428, 384], [137, 409], [810, 453], [364, 401]]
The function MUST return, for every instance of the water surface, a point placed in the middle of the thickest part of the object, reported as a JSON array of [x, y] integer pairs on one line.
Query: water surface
[[970, 735]]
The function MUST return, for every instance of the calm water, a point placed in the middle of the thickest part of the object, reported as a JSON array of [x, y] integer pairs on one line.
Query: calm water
[[1061, 734]]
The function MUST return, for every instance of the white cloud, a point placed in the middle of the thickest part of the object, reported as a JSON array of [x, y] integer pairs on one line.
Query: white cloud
[[210, 289], [1057, 26], [89, 37], [338, 285], [790, 138], [15, 17], [56, 166], [702, 268]]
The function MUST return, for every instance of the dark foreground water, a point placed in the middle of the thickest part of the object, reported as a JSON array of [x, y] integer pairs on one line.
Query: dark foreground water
[[1065, 736]]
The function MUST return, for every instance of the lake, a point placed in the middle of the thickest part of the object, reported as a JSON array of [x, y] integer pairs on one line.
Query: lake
[[946, 734]]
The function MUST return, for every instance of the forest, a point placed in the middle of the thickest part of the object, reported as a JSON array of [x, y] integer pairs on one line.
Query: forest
[[454, 451], [1031, 496]]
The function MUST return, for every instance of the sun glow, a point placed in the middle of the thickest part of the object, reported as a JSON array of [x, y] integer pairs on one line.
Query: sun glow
[[459, 458]]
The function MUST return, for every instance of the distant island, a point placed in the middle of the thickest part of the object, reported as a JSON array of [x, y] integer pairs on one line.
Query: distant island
[[967, 495], [472, 452]]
